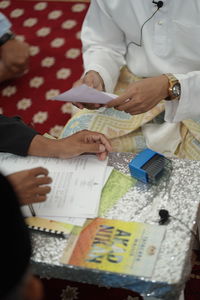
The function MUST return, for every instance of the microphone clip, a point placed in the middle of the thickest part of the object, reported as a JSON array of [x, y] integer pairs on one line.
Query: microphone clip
[[164, 216], [158, 3]]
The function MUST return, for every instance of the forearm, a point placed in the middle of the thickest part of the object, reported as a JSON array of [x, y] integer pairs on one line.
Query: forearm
[[42, 146], [81, 142]]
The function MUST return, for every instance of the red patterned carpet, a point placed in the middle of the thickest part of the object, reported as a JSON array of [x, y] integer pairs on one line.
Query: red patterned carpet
[[52, 30]]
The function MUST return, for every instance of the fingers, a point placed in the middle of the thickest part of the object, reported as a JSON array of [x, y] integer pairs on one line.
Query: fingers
[[93, 148], [89, 80], [39, 171], [96, 143], [19, 64], [135, 107], [41, 194], [78, 82], [95, 137], [127, 106], [43, 190], [91, 105], [18, 68], [40, 188], [15, 56], [87, 105], [43, 180], [102, 156], [119, 100], [78, 104], [93, 80]]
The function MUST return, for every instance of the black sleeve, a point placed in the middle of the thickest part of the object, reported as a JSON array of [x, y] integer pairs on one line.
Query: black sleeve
[[14, 238], [15, 135]]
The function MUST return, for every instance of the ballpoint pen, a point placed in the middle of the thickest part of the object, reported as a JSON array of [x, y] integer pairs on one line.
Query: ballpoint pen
[[32, 210]]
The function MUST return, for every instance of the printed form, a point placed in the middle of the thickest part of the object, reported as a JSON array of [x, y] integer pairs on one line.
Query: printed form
[[76, 187]]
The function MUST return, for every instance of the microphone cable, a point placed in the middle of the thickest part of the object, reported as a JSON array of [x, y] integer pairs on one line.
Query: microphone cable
[[165, 218], [159, 4]]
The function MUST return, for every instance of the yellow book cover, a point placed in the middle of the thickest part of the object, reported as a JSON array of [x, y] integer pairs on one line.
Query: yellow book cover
[[118, 246]]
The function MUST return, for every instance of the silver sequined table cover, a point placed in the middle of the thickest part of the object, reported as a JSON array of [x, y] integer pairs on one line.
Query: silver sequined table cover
[[179, 193]]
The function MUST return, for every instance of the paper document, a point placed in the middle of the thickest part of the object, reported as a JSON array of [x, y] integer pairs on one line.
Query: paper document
[[68, 220], [85, 94], [107, 174], [76, 186]]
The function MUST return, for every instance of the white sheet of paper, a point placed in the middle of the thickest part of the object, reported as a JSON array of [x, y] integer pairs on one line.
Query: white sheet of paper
[[76, 186], [85, 94], [73, 221], [107, 173]]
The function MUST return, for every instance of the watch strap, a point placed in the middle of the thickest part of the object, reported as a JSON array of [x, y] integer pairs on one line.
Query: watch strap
[[173, 81], [6, 37]]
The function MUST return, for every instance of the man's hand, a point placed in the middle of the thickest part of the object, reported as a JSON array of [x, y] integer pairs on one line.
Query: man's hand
[[15, 56], [84, 141], [93, 80], [142, 95], [31, 185], [5, 73]]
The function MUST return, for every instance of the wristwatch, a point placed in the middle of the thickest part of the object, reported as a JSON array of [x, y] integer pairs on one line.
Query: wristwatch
[[174, 87], [9, 35]]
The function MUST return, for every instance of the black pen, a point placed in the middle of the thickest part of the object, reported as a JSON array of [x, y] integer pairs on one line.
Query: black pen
[[32, 210]]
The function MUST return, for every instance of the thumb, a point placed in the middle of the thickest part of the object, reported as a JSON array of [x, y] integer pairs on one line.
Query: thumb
[[78, 83], [93, 148], [89, 80]]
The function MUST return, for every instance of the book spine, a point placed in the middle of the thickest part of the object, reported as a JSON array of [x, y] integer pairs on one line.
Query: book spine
[[49, 231]]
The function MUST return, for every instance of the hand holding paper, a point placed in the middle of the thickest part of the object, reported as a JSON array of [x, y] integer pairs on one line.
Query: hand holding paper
[[93, 80], [85, 94]]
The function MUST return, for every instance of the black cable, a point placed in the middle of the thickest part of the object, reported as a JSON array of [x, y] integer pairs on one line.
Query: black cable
[[165, 218], [140, 44]]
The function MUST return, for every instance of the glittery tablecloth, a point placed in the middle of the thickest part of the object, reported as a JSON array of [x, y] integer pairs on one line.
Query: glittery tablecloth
[[177, 191]]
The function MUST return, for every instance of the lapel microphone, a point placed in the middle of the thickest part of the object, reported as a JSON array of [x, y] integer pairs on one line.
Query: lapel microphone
[[165, 219], [158, 3], [164, 216]]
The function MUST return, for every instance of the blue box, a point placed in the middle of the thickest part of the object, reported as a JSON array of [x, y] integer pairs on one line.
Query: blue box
[[147, 166]]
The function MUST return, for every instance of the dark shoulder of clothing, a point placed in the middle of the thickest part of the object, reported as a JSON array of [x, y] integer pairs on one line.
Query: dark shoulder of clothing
[[15, 135], [15, 250]]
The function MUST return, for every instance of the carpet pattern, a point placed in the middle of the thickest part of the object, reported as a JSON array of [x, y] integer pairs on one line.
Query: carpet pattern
[[52, 28]]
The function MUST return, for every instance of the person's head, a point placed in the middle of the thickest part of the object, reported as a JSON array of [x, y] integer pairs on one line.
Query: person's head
[[16, 282]]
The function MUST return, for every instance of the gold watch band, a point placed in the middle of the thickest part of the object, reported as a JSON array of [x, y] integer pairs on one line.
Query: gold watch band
[[174, 89]]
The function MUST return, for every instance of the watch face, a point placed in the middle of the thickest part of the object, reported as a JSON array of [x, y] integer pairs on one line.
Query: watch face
[[176, 90]]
